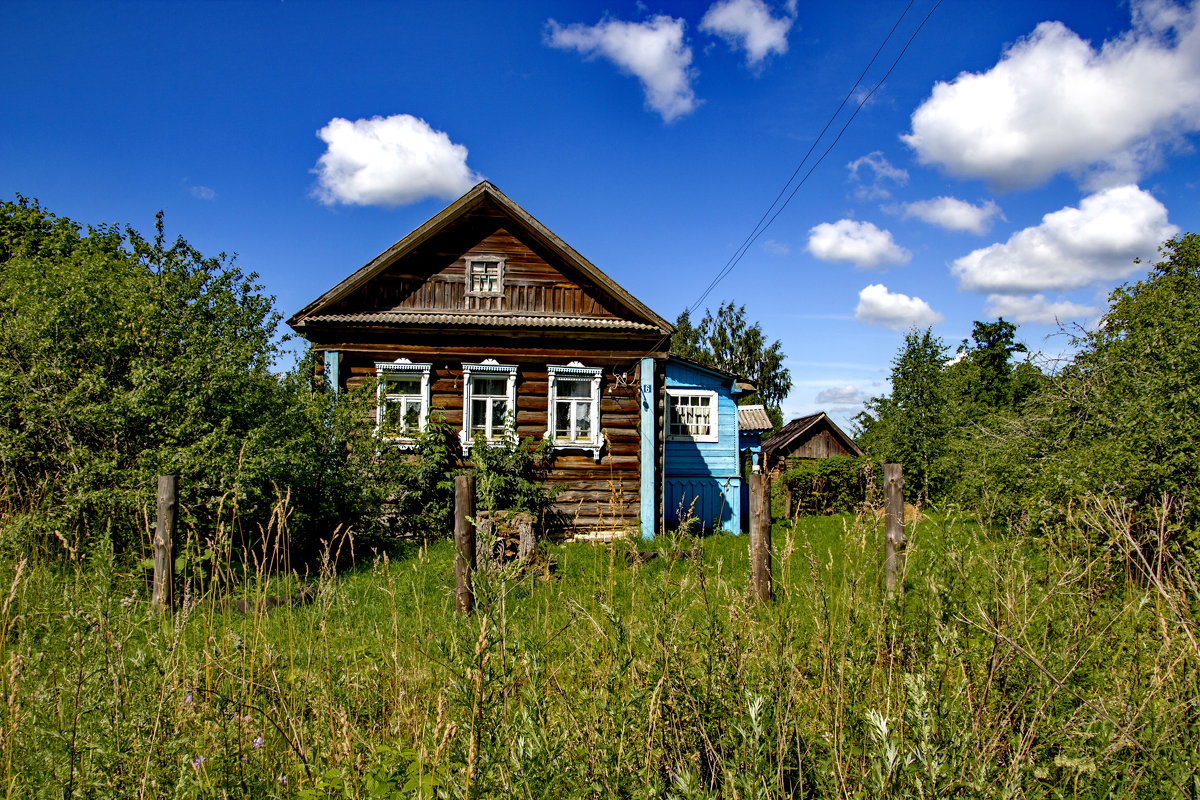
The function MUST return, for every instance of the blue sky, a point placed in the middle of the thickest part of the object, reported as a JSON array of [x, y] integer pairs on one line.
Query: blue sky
[[1016, 159]]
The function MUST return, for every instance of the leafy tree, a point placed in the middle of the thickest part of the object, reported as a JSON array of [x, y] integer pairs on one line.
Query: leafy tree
[[911, 426], [1121, 419], [984, 377], [728, 341], [127, 357]]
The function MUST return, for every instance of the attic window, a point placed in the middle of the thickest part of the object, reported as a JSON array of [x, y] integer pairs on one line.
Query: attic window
[[485, 276]]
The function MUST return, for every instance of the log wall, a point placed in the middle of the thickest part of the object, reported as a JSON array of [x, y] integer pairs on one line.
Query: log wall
[[592, 494]]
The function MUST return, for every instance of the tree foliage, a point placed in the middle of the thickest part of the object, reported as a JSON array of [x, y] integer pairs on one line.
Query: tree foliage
[[832, 485], [1116, 427], [727, 341], [940, 411], [985, 377], [911, 425], [128, 357], [1121, 418]]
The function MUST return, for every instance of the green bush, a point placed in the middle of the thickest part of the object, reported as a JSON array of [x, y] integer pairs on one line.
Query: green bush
[[127, 357], [831, 485]]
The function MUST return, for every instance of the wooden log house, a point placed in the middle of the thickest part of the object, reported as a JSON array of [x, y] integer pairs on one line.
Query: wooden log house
[[485, 315]]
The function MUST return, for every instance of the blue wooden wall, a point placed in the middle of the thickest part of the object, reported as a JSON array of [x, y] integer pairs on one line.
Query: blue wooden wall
[[704, 478]]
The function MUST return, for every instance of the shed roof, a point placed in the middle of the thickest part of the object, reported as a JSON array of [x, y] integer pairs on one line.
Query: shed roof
[[801, 425], [754, 418]]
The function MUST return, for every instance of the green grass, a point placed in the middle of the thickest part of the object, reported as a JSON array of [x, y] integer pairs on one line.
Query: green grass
[[1006, 668]]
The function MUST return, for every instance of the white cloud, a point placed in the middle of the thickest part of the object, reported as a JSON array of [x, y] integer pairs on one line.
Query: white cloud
[[954, 214], [1072, 247], [652, 51], [858, 243], [841, 395], [776, 248], [389, 161], [881, 171], [203, 192], [878, 306], [1036, 309], [1053, 103], [748, 24]]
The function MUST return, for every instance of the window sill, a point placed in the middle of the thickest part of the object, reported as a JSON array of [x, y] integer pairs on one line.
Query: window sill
[[695, 439], [398, 442], [594, 447]]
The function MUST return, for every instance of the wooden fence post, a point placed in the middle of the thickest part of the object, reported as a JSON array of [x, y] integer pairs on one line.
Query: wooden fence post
[[464, 543], [162, 595], [760, 537], [894, 541]]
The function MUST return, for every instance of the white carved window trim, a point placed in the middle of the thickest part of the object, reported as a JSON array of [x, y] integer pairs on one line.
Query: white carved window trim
[[575, 371], [488, 271], [494, 429], [678, 428], [384, 398]]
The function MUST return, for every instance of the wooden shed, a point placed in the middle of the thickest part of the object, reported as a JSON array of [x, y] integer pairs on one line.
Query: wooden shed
[[814, 436]]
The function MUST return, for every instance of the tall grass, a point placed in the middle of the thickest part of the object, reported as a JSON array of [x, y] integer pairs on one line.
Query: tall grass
[[1006, 668]]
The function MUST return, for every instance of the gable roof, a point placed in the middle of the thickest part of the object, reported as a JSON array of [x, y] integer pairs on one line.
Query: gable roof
[[645, 318], [801, 425]]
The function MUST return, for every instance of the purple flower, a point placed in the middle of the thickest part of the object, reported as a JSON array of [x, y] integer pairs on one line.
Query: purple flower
[[187, 701], [198, 762], [257, 743], [283, 779]]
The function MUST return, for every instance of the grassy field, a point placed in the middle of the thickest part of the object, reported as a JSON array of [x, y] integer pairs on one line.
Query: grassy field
[[1006, 668]]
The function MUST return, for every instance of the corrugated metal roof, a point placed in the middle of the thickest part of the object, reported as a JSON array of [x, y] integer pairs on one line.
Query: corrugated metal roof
[[754, 418], [485, 320]]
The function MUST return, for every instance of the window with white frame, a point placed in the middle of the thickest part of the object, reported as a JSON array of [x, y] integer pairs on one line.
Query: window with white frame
[[402, 399], [692, 415], [489, 401], [485, 275], [574, 407]]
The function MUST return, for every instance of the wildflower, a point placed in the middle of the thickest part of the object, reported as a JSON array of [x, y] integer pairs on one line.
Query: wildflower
[[198, 762], [187, 701], [283, 779], [257, 743]]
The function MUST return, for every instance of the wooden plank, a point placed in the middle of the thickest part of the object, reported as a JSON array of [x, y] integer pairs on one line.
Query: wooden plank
[[760, 537]]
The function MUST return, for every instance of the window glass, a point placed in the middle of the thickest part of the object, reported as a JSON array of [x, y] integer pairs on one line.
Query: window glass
[[487, 401], [402, 398], [575, 406], [575, 387], [691, 416], [484, 276], [403, 384], [490, 387]]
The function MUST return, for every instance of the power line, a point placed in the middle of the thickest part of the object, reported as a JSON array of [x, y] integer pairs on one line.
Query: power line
[[768, 217], [760, 226]]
